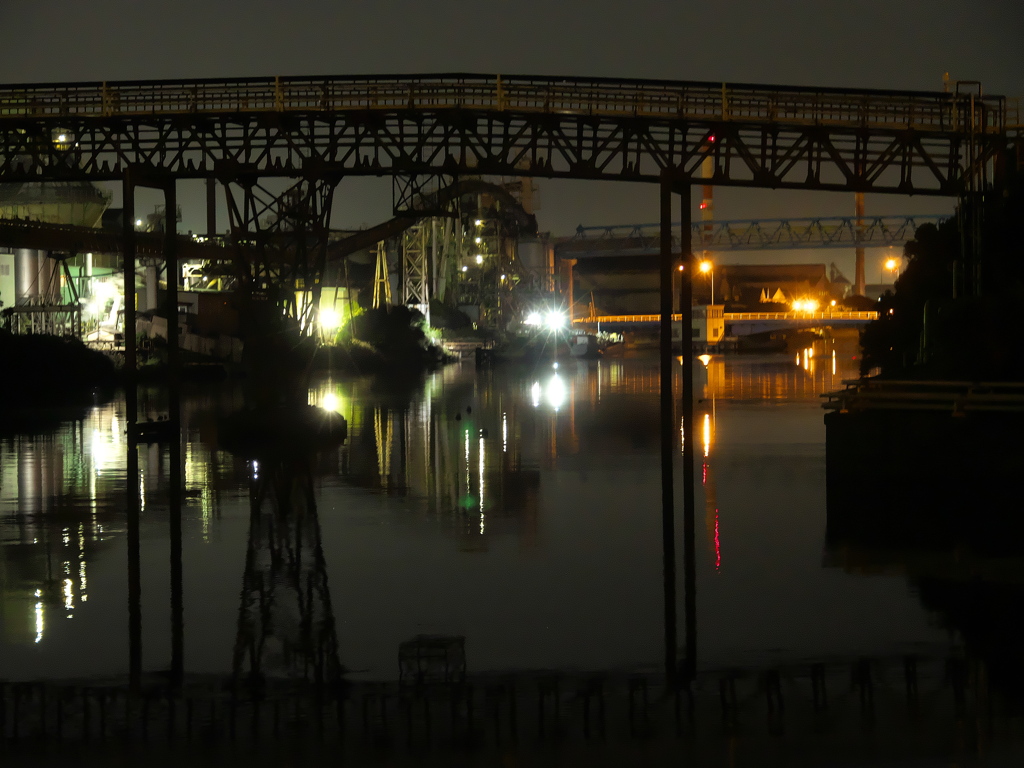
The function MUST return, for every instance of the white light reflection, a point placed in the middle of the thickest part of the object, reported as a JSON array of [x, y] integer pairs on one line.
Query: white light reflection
[[833, 362], [69, 595], [81, 562], [480, 448], [535, 392], [556, 392], [469, 479], [707, 434], [40, 617], [504, 433]]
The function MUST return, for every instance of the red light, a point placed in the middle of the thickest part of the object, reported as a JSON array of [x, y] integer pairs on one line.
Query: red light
[[718, 545], [703, 206], [711, 138]]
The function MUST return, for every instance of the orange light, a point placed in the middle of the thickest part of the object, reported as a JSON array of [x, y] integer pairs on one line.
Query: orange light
[[681, 267], [705, 266]]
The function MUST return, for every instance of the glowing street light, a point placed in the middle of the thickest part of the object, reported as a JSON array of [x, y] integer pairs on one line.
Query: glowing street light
[[708, 268], [805, 305]]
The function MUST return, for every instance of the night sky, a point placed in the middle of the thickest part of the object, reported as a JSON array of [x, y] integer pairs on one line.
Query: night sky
[[871, 44]]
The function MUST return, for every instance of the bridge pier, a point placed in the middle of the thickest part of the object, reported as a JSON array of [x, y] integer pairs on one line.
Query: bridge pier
[[670, 184]]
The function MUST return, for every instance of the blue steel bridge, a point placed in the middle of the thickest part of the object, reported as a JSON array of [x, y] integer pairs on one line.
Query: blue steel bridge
[[749, 234]]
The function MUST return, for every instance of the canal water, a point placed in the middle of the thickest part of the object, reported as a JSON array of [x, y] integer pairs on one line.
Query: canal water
[[517, 507]]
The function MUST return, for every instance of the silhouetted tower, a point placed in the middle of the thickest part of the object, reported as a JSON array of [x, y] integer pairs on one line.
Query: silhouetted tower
[[286, 627]]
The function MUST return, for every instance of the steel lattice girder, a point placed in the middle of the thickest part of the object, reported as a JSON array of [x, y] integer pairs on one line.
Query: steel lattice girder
[[774, 155], [764, 234], [415, 263]]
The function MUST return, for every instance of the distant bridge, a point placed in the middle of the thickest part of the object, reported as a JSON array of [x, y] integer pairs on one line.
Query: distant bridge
[[749, 234], [740, 323]]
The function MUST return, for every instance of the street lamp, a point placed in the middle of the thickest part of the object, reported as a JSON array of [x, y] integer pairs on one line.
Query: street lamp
[[893, 265], [709, 269]]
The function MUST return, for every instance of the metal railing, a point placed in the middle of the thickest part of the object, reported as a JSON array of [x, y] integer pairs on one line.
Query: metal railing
[[701, 101], [731, 317]]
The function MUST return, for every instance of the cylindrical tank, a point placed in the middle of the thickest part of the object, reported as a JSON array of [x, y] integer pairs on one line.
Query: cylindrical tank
[[48, 281], [26, 276], [151, 286], [532, 256], [536, 255]]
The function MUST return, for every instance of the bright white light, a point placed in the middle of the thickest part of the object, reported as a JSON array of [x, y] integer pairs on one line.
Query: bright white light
[[502, 277], [535, 391], [533, 318], [479, 222], [330, 319], [705, 359], [479, 259], [555, 392], [465, 269], [330, 402], [554, 320], [479, 240], [138, 222], [805, 305], [40, 618], [62, 138]]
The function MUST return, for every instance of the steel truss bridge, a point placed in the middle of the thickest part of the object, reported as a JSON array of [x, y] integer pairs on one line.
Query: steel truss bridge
[[427, 129], [763, 136], [755, 234]]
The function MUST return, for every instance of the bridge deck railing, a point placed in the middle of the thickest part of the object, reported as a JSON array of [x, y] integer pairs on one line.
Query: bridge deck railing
[[921, 111]]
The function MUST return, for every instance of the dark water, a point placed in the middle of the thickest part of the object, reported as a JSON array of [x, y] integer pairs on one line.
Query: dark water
[[517, 507]]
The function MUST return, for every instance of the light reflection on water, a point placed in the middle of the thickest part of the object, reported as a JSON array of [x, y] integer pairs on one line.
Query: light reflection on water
[[518, 508]]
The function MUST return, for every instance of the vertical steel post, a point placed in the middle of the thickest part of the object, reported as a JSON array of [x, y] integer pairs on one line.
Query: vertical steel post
[[859, 288], [689, 437], [668, 532], [211, 207], [174, 415], [128, 256], [131, 414], [173, 276]]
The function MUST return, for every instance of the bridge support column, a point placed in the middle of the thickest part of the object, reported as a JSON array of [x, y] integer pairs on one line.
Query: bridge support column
[[668, 525], [138, 177], [131, 413], [668, 271], [859, 287], [689, 264]]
